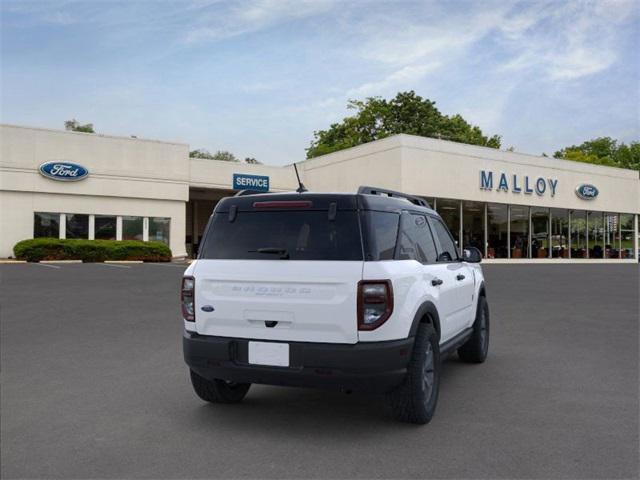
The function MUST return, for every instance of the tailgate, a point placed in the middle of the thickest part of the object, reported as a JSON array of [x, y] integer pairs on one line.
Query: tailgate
[[305, 301]]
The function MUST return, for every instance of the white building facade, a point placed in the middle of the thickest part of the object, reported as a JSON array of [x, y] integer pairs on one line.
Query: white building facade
[[513, 207]]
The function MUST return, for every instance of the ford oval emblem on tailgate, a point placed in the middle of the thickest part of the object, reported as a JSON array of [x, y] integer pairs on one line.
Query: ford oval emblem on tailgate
[[207, 308]]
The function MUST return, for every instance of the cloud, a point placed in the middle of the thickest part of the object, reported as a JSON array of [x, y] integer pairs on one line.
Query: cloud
[[403, 78], [565, 41], [250, 16]]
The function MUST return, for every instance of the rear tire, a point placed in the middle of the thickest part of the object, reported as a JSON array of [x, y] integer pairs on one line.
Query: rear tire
[[415, 400], [218, 391], [475, 349]]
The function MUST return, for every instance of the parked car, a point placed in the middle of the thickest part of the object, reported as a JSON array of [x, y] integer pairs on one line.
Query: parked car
[[355, 292]]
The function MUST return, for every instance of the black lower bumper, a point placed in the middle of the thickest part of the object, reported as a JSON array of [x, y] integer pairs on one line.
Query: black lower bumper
[[369, 367]]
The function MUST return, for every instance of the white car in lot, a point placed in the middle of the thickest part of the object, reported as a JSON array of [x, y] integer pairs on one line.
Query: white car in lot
[[355, 292]]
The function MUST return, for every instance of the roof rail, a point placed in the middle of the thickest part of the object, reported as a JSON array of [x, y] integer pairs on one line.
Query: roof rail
[[244, 193], [392, 193]]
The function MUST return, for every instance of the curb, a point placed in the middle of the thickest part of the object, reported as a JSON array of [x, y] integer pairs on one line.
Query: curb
[[4, 261]]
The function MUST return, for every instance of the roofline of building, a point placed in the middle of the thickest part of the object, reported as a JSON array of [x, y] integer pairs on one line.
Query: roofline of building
[[448, 146], [102, 135]]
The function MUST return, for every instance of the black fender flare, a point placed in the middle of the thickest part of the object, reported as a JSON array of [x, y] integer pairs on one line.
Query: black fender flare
[[426, 310], [482, 291]]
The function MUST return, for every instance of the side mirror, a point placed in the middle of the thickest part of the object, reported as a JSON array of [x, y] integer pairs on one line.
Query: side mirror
[[471, 255]]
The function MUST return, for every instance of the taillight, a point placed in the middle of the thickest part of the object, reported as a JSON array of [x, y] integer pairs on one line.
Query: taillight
[[375, 303], [187, 297], [284, 204]]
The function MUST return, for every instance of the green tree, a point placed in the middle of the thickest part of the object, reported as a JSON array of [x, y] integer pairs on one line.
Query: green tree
[[219, 155], [252, 161], [377, 118], [603, 151], [74, 126]]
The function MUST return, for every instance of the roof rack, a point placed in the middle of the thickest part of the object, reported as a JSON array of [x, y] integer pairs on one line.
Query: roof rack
[[392, 193]]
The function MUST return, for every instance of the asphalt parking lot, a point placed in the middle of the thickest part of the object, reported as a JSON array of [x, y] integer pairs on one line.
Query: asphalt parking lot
[[94, 386]]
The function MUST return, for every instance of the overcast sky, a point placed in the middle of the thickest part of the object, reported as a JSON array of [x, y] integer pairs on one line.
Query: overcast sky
[[258, 77]]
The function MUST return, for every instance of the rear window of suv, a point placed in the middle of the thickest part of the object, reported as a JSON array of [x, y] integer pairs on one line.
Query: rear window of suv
[[291, 235]]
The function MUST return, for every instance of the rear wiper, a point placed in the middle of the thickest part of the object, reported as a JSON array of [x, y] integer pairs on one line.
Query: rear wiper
[[284, 255]]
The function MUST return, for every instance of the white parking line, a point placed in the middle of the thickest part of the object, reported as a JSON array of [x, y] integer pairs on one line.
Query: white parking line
[[47, 265], [114, 265], [180, 265]]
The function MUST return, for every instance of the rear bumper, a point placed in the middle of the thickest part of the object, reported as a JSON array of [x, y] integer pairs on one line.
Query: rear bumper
[[368, 367]]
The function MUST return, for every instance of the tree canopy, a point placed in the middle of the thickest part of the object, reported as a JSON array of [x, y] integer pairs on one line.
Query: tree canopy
[[377, 118], [75, 126], [223, 155], [604, 151]]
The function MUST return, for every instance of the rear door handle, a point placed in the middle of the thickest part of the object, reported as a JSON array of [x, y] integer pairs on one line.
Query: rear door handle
[[436, 281], [460, 277]]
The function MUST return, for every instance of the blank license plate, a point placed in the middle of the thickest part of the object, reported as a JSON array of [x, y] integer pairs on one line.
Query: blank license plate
[[269, 353]]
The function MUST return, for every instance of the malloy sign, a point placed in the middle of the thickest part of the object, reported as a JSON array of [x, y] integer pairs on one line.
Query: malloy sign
[[518, 183]]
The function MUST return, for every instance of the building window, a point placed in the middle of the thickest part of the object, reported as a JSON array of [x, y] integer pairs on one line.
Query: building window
[[449, 211], [578, 234], [473, 225], [431, 201], [77, 226], [105, 227], [132, 228], [497, 226], [159, 229], [626, 235], [596, 234], [559, 233], [46, 225], [611, 235], [539, 232], [519, 241]]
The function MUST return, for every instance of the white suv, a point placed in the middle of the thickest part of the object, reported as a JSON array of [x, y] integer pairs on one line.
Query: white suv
[[357, 292]]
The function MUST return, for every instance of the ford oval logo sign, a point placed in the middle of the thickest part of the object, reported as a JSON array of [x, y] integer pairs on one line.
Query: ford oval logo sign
[[586, 191], [64, 171]]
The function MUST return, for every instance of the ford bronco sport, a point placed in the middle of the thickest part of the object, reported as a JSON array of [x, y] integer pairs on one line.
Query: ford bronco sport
[[356, 292]]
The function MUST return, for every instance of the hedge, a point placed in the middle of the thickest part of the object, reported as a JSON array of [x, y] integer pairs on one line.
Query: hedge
[[36, 249]]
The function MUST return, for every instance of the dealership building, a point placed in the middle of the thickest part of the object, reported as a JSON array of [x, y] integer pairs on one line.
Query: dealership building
[[512, 206]]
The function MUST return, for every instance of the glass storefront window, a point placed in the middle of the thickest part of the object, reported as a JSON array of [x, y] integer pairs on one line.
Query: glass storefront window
[[105, 227], [132, 228], [449, 210], [473, 225], [159, 229], [596, 234], [497, 223], [559, 233], [611, 235], [46, 225], [77, 226], [519, 241], [626, 237], [578, 234], [539, 232]]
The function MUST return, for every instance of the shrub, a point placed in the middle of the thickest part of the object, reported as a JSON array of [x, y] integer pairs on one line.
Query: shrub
[[36, 249]]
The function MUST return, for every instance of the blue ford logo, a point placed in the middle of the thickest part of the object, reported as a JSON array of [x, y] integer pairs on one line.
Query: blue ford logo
[[586, 191], [64, 171]]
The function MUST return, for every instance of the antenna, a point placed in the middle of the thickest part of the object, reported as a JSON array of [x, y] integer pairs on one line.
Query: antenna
[[301, 188]]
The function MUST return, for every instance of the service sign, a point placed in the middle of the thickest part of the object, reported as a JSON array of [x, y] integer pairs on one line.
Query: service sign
[[63, 171], [255, 183], [586, 191]]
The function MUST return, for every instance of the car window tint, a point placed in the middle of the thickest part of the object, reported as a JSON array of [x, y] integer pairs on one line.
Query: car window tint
[[382, 234], [295, 235], [416, 242], [448, 249]]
